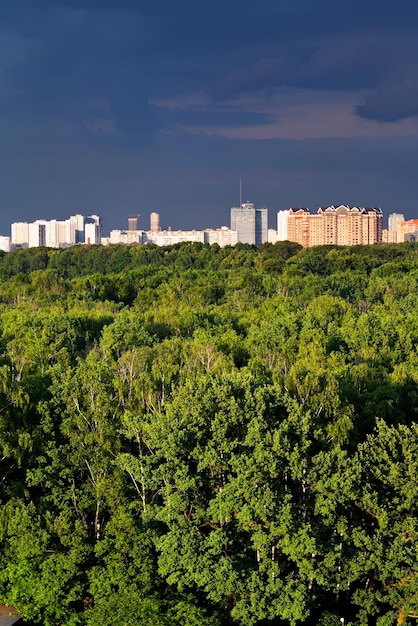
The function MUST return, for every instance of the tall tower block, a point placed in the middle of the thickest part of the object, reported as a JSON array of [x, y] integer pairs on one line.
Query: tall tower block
[[250, 223], [394, 219], [154, 222], [133, 223]]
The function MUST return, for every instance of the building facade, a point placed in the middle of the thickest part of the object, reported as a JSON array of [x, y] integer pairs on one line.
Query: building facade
[[298, 226], [223, 236], [154, 222], [133, 223], [93, 230], [4, 243], [406, 230], [394, 219], [20, 233], [37, 234], [250, 223], [126, 237], [335, 225], [56, 233], [282, 225], [171, 237]]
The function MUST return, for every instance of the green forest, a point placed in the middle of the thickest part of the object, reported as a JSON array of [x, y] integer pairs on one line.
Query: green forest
[[205, 436]]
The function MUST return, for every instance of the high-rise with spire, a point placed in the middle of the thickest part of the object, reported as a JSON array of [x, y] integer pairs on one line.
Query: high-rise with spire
[[250, 223]]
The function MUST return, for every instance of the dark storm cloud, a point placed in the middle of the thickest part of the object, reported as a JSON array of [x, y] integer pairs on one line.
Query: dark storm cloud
[[72, 63], [396, 98], [350, 59], [131, 52], [213, 117], [165, 105]]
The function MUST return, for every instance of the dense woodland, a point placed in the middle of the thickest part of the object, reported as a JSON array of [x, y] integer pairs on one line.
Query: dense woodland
[[199, 436]]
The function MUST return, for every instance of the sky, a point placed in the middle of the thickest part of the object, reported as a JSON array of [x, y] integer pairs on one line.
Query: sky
[[121, 108]]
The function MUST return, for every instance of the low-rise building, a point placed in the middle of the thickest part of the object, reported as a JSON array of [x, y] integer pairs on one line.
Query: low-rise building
[[406, 228], [170, 237], [126, 237], [223, 236]]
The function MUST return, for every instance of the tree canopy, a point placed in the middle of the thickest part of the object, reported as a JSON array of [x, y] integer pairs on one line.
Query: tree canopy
[[209, 436]]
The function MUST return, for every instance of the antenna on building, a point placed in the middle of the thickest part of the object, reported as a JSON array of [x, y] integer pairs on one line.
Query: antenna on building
[[240, 193]]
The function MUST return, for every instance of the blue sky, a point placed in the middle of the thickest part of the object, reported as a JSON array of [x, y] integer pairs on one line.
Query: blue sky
[[123, 108]]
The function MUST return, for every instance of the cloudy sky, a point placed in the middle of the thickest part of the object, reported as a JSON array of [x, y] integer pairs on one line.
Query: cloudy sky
[[123, 107]]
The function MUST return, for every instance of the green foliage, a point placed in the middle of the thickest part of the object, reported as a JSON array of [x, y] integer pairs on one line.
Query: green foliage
[[204, 436]]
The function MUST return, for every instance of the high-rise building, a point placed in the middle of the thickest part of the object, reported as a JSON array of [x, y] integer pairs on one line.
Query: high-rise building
[[75, 228], [154, 222], [282, 223], [20, 233], [57, 233], [37, 234], [335, 225], [345, 226], [393, 235], [394, 219], [92, 230], [250, 223], [261, 226], [298, 226], [133, 223]]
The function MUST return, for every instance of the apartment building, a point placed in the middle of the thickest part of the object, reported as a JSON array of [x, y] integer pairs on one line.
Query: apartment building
[[406, 230], [335, 225]]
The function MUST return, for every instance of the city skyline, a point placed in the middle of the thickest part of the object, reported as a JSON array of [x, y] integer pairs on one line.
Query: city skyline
[[146, 221], [333, 225], [122, 108]]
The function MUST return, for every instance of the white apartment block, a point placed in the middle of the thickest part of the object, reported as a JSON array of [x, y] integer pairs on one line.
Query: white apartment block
[[394, 219], [75, 225], [4, 243], [126, 237], [223, 236], [272, 235], [393, 234], [56, 233], [171, 237], [20, 233], [92, 230], [37, 234], [282, 225]]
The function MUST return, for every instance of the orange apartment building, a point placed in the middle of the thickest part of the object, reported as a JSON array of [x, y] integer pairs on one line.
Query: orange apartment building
[[341, 225], [406, 230]]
